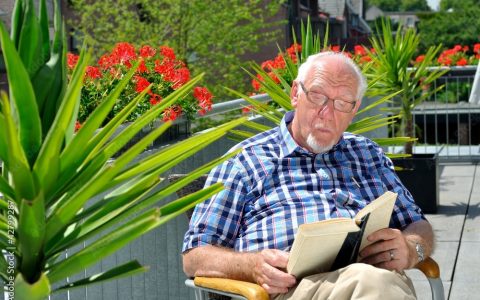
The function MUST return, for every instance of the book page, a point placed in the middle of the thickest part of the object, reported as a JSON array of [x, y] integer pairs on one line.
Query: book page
[[380, 211], [316, 246]]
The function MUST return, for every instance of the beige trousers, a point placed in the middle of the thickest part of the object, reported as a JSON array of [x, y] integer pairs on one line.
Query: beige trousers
[[356, 281]]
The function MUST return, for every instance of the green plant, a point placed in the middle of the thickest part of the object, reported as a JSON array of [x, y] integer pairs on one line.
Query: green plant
[[392, 73], [276, 82], [48, 180]]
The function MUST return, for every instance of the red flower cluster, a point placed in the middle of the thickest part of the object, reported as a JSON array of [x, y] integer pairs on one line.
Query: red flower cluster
[[204, 98], [278, 65], [457, 56], [159, 69]]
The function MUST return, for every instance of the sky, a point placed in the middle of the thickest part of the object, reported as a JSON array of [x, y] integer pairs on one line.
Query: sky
[[433, 4]]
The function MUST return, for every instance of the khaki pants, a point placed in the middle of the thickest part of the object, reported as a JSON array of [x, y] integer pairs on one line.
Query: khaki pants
[[356, 281]]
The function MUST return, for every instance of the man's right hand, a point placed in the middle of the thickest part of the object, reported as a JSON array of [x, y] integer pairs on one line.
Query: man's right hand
[[269, 271], [266, 268]]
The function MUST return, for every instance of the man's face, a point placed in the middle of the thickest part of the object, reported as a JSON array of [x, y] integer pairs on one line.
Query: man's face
[[318, 128]]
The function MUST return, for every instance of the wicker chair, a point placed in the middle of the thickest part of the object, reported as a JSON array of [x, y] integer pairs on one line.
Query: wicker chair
[[222, 288]]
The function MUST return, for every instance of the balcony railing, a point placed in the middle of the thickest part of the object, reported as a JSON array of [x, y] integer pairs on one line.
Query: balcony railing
[[448, 123]]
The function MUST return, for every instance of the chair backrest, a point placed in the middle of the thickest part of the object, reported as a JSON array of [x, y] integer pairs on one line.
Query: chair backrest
[[194, 186]]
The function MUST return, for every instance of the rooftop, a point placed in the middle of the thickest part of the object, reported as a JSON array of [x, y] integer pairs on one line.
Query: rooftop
[[457, 234]]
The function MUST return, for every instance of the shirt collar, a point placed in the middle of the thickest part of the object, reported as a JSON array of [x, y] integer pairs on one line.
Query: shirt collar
[[288, 146]]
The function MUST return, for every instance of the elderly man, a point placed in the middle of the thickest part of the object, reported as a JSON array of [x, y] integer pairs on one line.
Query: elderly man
[[305, 170]]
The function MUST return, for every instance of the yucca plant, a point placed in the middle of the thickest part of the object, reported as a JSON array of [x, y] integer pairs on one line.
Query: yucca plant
[[280, 93], [50, 175], [393, 72]]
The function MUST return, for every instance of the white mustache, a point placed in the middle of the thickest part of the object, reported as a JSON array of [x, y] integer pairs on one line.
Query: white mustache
[[320, 126]]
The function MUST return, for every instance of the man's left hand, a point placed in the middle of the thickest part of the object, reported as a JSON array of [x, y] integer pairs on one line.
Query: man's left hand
[[390, 250]]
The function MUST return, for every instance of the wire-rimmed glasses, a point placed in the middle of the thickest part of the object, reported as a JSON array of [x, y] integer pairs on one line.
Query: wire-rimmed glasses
[[320, 100]]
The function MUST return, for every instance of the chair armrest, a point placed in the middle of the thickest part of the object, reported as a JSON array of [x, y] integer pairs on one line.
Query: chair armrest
[[429, 267], [248, 290]]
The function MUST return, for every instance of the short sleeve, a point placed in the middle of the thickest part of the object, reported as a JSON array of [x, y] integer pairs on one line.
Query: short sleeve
[[217, 220]]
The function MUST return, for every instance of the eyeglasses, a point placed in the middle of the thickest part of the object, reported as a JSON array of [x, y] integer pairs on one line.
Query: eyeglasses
[[320, 100]]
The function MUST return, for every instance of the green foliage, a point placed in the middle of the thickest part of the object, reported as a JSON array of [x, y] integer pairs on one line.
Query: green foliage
[[454, 92], [403, 5], [392, 59], [459, 27], [458, 5], [48, 180], [210, 36]]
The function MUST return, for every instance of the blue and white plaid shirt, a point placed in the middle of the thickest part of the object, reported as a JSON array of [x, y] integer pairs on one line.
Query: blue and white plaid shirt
[[274, 185]]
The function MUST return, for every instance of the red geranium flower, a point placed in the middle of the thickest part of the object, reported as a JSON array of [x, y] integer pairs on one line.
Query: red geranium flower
[[274, 77], [92, 72], [365, 59], [476, 48], [462, 62], [72, 60], [360, 50], [147, 51], [419, 59], [123, 52], [256, 84], [155, 99], [204, 97], [78, 125], [279, 62], [172, 113], [295, 48], [167, 52], [336, 48], [142, 68], [141, 83], [246, 109], [267, 65]]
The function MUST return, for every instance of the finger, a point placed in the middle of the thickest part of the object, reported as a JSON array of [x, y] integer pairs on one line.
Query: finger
[[274, 289], [388, 265], [384, 234], [377, 258], [378, 247], [276, 277]]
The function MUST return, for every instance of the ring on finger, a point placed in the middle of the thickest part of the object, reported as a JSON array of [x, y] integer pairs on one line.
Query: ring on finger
[[392, 255]]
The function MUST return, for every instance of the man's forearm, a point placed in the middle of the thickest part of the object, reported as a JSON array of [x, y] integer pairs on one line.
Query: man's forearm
[[213, 261]]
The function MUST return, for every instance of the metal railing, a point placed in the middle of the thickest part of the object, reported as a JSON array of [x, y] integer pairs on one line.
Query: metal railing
[[448, 123]]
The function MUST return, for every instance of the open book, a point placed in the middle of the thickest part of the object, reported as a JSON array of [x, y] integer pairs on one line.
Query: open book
[[332, 244]]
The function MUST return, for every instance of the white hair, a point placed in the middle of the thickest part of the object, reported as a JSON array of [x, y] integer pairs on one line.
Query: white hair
[[318, 61]]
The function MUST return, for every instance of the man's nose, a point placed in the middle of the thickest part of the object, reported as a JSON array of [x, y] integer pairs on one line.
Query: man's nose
[[326, 112]]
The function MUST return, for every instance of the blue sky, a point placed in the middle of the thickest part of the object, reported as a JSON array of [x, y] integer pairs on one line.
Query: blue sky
[[433, 4]]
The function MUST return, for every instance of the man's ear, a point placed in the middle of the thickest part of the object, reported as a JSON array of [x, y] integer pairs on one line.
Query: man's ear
[[294, 94], [357, 106]]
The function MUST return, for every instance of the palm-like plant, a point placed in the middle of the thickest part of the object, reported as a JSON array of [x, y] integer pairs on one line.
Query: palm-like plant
[[50, 174], [392, 59], [280, 93]]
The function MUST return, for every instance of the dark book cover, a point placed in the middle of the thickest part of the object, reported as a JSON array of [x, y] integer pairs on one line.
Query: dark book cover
[[351, 246]]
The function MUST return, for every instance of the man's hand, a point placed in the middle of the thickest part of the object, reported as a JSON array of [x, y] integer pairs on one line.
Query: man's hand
[[390, 250], [393, 249], [269, 271], [266, 268]]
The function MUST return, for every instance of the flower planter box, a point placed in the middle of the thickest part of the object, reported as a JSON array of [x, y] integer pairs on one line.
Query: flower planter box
[[420, 175]]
